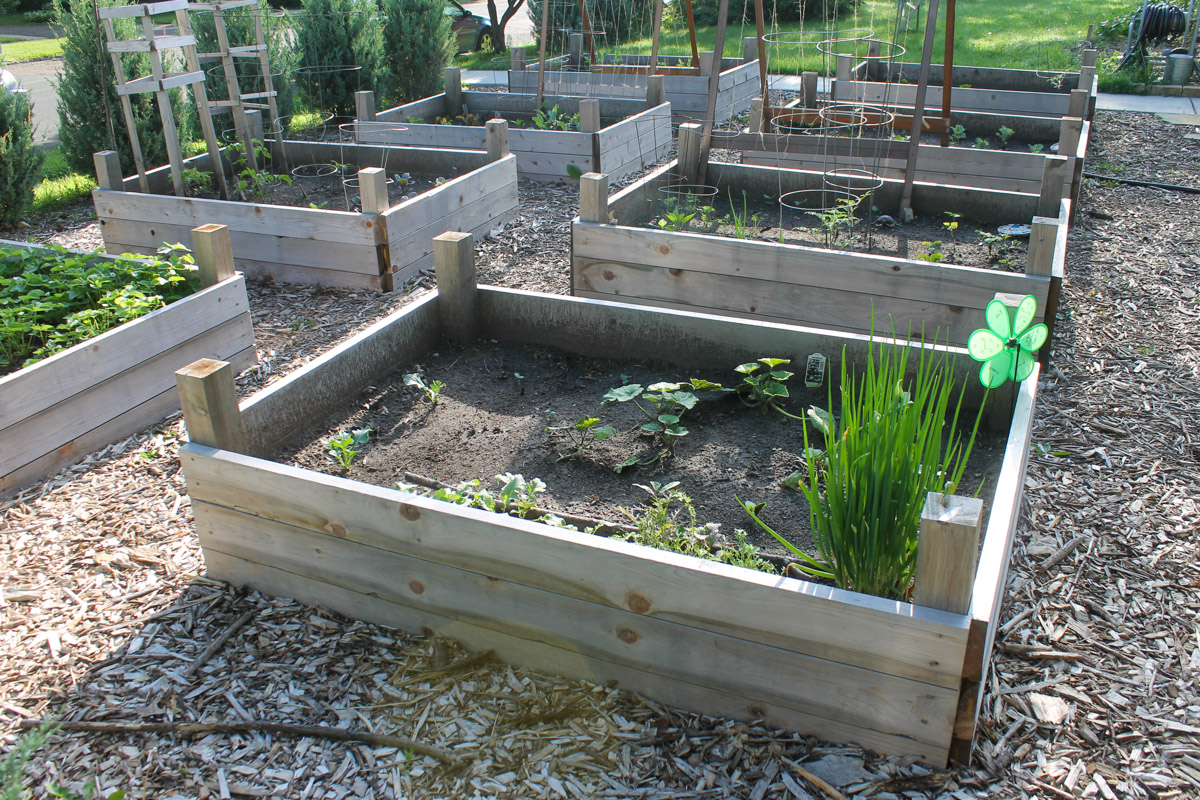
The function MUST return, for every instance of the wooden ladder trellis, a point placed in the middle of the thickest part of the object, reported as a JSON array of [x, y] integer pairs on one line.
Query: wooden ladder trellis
[[160, 82], [239, 101]]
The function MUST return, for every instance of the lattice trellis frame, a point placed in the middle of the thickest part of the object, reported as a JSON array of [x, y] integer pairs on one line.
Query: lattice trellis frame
[[159, 82]]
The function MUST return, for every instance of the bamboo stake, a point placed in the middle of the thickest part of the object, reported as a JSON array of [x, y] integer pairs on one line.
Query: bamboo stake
[[910, 171]]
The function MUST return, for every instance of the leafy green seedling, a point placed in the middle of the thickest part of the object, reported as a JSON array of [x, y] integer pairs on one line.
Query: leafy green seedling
[[1036, 148], [432, 391], [992, 240], [764, 389], [957, 134], [934, 253], [1004, 134], [676, 220], [981, 143], [345, 446], [518, 494], [582, 434], [952, 225]]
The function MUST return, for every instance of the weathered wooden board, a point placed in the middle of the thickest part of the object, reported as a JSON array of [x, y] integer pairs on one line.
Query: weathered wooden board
[[115, 384], [1040, 104]]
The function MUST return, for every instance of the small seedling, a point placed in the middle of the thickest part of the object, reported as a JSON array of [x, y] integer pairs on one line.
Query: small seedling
[[764, 390], [993, 240], [1036, 148], [520, 379], [582, 434], [676, 220], [952, 225], [981, 143], [957, 134], [740, 222], [345, 446], [934, 253], [1004, 134], [432, 391]]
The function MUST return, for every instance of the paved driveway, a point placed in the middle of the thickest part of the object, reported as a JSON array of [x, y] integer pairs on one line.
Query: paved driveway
[[519, 30], [39, 77]]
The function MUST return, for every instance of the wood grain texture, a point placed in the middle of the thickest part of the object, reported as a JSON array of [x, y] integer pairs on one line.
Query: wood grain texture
[[549, 658], [947, 544]]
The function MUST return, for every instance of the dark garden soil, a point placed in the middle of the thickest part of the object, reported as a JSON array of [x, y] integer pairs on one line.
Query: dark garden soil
[[926, 238], [488, 422]]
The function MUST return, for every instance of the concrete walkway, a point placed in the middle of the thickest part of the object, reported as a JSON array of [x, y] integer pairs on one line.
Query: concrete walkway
[[39, 77]]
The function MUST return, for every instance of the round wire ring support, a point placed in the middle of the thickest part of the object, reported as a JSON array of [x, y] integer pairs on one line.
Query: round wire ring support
[[694, 190], [799, 122], [843, 180], [807, 201], [866, 116], [314, 174], [349, 131], [827, 46], [814, 37]]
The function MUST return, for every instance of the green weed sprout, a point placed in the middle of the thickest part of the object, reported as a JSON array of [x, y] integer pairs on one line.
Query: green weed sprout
[[582, 434], [894, 442], [345, 446], [432, 391], [764, 390], [934, 254], [952, 225]]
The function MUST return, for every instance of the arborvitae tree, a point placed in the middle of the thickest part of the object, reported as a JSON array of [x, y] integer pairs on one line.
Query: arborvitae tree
[[334, 34], [87, 94], [20, 161], [281, 54], [417, 38]]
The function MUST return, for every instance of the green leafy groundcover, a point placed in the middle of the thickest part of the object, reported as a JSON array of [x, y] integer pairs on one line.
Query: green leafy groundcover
[[53, 299]]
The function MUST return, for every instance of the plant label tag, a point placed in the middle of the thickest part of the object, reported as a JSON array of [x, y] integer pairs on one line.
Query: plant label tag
[[814, 371]]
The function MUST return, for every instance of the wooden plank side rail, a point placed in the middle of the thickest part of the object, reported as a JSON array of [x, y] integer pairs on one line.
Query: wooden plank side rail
[[113, 385], [815, 659]]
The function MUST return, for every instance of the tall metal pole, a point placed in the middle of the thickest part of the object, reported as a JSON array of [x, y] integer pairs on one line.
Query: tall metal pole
[[914, 147]]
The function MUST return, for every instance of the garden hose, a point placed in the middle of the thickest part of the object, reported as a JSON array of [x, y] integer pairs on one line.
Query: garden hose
[[1159, 21]]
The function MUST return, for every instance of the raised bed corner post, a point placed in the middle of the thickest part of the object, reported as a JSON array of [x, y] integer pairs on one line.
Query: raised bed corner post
[[373, 197], [593, 198], [656, 91], [495, 135], [947, 544], [458, 296], [1055, 177], [690, 159], [453, 82], [364, 106], [108, 170], [808, 89], [213, 253], [210, 406]]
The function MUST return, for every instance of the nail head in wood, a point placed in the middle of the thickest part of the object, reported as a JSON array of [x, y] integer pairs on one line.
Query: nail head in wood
[[593, 198], [372, 190], [495, 134], [458, 300], [209, 402], [108, 170], [364, 106], [213, 252], [947, 547]]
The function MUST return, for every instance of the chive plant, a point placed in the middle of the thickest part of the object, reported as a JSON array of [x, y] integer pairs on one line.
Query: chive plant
[[888, 449]]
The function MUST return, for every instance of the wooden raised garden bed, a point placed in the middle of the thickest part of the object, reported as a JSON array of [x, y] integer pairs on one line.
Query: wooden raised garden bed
[[375, 249], [702, 635], [61, 408], [612, 135], [687, 94], [634, 260], [981, 99], [1056, 175]]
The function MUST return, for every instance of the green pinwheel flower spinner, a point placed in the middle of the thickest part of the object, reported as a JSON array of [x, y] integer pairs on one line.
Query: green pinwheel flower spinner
[[1008, 345]]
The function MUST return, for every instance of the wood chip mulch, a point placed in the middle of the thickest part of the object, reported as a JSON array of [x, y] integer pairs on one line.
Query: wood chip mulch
[[106, 616]]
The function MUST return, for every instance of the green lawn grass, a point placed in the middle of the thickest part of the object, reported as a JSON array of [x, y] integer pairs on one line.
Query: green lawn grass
[[1021, 34], [31, 50]]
